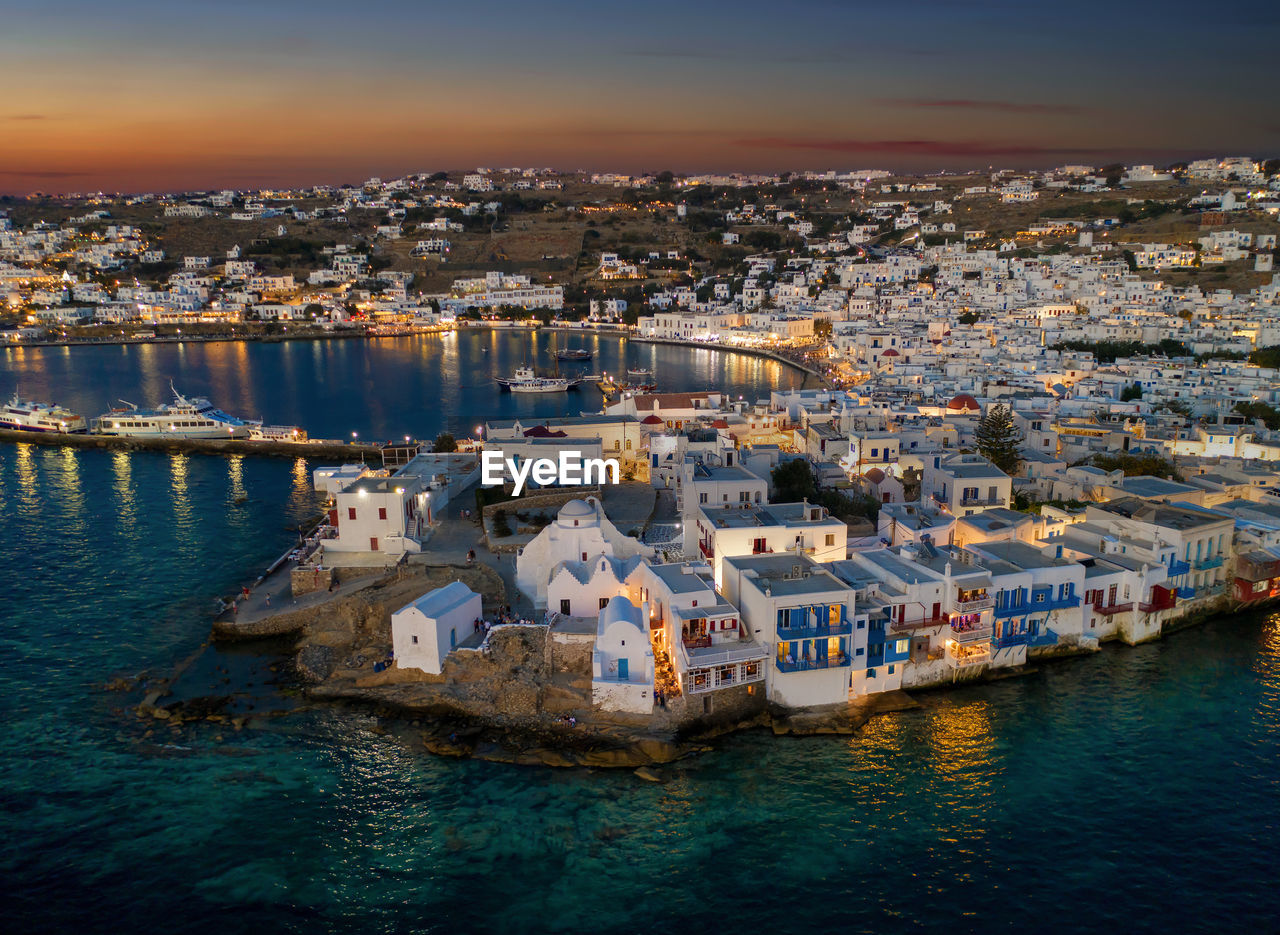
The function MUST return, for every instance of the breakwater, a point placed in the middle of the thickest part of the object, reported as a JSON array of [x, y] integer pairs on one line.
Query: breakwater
[[336, 450]]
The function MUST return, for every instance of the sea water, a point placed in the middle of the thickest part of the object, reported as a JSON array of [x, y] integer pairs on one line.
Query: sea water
[[1135, 790]]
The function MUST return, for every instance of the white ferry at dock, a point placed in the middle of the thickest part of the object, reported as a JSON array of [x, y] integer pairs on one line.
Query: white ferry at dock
[[27, 416], [183, 418]]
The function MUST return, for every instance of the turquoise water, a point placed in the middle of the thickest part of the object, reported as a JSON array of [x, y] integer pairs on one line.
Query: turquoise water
[[1134, 791]]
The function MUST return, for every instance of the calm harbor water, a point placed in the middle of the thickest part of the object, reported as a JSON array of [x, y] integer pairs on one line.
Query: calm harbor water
[[381, 388], [1135, 790]]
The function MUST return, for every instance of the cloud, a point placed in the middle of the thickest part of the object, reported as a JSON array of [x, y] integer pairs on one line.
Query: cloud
[[917, 147], [1004, 107], [16, 117]]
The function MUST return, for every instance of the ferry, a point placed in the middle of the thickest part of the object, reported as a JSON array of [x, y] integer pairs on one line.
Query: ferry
[[26, 416], [527, 381], [183, 418]]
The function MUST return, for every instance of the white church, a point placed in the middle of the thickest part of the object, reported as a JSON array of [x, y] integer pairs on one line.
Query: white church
[[425, 631], [579, 561], [622, 667]]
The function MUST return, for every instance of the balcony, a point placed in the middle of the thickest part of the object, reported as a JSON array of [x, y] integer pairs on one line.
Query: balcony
[[698, 642], [816, 631], [963, 656], [905, 626], [1165, 602], [1015, 610], [982, 501], [1112, 609], [1060, 603], [804, 665], [1177, 567], [1009, 640], [1047, 638], [706, 550], [1205, 564], [700, 681], [972, 634], [975, 605]]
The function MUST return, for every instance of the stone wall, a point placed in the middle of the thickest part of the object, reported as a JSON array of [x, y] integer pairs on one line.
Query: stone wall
[[542, 501]]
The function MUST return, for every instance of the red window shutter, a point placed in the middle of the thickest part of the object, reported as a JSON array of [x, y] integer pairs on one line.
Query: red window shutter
[[382, 512], [351, 512], [373, 543]]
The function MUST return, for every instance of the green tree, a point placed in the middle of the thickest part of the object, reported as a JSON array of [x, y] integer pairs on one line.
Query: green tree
[[1130, 392], [968, 318], [444, 443], [999, 439], [1265, 357], [793, 480], [1253, 409]]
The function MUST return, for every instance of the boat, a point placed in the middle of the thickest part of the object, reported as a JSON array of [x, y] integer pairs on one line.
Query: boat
[[185, 417], [527, 381], [641, 375], [580, 353], [27, 416]]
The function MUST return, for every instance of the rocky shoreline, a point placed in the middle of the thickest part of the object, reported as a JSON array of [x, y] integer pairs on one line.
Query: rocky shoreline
[[510, 696]]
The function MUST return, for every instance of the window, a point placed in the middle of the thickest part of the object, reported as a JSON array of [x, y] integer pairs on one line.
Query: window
[[891, 670], [858, 651], [382, 512], [564, 606], [603, 603], [871, 673], [414, 638], [351, 512], [702, 498], [831, 539], [373, 543]]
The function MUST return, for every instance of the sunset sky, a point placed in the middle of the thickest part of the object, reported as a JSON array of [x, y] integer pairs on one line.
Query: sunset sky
[[149, 95]]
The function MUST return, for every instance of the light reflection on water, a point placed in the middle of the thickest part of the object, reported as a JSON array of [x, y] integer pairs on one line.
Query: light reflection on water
[[1135, 788], [382, 388]]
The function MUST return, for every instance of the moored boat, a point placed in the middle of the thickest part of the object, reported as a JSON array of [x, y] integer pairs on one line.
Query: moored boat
[[28, 416], [183, 418], [527, 381], [579, 353]]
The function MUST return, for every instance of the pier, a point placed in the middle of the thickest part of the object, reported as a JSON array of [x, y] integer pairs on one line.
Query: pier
[[329, 450]]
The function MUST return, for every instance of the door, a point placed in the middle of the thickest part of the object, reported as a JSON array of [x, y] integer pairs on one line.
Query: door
[[373, 543], [623, 675], [564, 607]]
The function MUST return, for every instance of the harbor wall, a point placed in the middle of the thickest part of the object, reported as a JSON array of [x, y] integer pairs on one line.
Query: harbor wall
[[334, 450]]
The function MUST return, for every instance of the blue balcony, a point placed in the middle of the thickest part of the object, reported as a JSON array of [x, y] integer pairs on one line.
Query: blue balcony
[[1012, 639], [805, 665], [1206, 563], [1060, 603], [1185, 593], [1178, 567], [1045, 638], [816, 631], [1015, 610]]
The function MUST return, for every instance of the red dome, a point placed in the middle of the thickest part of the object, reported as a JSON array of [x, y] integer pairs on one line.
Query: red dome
[[875, 475], [651, 420], [890, 353], [964, 403]]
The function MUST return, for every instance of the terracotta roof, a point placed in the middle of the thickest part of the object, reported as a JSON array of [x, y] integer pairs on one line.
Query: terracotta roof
[[651, 420], [541, 431], [875, 475], [963, 403], [890, 353]]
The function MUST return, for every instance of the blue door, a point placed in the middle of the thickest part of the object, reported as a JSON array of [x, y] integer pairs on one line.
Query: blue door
[[622, 671]]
